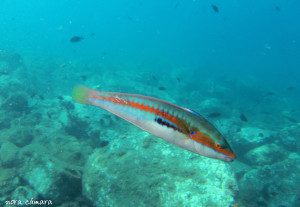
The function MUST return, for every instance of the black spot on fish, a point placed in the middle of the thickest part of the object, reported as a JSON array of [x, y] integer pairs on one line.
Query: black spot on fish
[[161, 88], [215, 8], [243, 117], [214, 114], [75, 39], [166, 123]]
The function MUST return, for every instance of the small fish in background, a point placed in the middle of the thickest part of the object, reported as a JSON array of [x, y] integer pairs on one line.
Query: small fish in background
[[215, 8], [290, 119], [161, 88], [270, 93], [243, 117], [83, 77], [153, 77], [277, 8], [178, 79], [291, 88], [75, 39]]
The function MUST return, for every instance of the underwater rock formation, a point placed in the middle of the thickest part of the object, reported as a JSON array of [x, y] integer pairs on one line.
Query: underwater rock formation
[[9, 181], [288, 137], [8, 154], [265, 186], [250, 137], [24, 193], [265, 155], [50, 180], [145, 177], [77, 127], [22, 137], [17, 103], [13, 60]]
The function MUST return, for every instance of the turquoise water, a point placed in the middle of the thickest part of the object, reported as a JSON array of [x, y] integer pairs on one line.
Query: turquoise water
[[236, 63]]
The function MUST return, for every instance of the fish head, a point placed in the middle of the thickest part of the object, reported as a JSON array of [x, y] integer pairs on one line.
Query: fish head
[[212, 144]]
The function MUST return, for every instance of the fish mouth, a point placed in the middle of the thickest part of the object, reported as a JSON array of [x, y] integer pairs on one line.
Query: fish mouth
[[229, 158]]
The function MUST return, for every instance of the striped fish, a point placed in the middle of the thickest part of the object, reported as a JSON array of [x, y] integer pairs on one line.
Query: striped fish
[[180, 126]]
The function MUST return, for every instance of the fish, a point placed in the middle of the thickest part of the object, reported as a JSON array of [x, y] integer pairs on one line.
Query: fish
[[291, 88], [83, 77], [243, 117], [215, 8], [178, 125], [76, 39], [161, 88]]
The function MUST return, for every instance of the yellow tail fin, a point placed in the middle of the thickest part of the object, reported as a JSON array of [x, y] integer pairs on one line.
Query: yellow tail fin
[[81, 94]]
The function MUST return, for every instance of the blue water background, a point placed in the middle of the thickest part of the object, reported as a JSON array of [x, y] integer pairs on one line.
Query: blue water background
[[182, 33]]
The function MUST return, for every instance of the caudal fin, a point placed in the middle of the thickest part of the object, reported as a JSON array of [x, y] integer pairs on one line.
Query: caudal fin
[[81, 94]]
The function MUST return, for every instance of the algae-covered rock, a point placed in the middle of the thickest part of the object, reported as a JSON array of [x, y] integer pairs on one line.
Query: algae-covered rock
[[9, 154], [289, 137], [266, 154], [265, 186], [22, 137], [50, 180], [17, 103], [251, 137], [24, 193], [157, 178], [9, 181]]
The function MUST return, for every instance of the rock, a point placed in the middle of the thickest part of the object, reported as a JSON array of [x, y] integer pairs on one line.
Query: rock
[[265, 155], [250, 137], [210, 106], [69, 106], [9, 154], [22, 137], [17, 103], [133, 179], [50, 180], [9, 181], [271, 185], [24, 193], [4, 121], [288, 137], [77, 127]]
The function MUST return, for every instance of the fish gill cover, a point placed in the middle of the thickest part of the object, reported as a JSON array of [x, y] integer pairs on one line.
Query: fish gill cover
[[236, 63]]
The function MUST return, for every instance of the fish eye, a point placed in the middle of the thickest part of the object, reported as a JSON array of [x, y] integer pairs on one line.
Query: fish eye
[[193, 132]]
